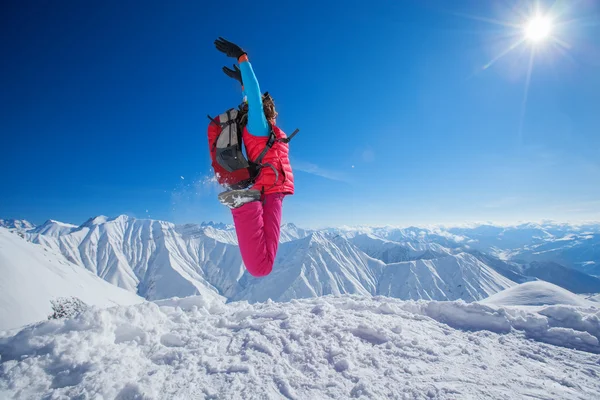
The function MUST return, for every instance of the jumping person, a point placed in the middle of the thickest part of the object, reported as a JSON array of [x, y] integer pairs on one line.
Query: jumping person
[[257, 211]]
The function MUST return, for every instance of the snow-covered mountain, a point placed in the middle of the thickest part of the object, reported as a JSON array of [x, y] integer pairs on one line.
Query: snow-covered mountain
[[53, 228], [538, 293], [32, 275], [323, 348], [19, 225], [291, 232], [573, 246], [568, 278], [415, 236], [337, 346], [317, 265], [390, 251], [156, 259], [453, 277], [580, 251]]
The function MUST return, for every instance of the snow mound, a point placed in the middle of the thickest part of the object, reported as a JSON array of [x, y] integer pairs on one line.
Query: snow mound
[[537, 293], [32, 275], [330, 347]]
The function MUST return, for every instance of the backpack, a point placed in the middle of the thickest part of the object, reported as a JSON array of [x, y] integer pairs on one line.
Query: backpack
[[231, 166]]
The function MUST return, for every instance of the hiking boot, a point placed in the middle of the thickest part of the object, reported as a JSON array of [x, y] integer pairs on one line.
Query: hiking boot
[[237, 198]]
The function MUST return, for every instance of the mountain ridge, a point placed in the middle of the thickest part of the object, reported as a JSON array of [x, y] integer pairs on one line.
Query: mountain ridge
[[203, 259]]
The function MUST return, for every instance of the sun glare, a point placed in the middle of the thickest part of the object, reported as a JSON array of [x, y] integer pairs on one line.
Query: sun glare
[[534, 29], [538, 29]]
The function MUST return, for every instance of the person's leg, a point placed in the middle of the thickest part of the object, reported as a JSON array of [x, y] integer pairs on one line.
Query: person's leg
[[249, 227], [272, 207]]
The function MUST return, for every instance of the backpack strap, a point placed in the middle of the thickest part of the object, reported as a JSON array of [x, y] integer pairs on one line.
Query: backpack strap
[[214, 121], [276, 175], [270, 143], [289, 138]]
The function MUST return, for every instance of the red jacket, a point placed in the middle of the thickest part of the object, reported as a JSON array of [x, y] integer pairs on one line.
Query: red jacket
[[267, 180]]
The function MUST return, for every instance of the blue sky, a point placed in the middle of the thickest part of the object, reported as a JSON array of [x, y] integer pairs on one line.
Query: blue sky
[[103, 109]]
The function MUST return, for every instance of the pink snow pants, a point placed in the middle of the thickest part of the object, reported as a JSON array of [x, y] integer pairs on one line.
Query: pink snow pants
[[257, 225]]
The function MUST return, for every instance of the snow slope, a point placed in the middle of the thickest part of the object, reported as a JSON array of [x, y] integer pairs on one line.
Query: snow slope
[[538, 293], [453, 277], [316, 265], [31, 276], [336, 348]]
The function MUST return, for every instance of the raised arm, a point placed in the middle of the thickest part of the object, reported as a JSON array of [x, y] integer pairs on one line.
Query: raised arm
[[257, 122]]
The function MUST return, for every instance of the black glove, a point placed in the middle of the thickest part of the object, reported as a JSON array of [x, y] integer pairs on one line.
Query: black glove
[[234, 73], [230, 49]]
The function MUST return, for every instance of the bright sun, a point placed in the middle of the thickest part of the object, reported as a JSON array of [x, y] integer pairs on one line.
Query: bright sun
[[538, 29]]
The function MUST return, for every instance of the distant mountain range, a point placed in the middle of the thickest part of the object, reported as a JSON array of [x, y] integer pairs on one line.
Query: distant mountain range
[[157, 259]]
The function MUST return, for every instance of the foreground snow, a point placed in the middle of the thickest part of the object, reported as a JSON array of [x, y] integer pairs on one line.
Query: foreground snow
[[330, 347], [31, 276]]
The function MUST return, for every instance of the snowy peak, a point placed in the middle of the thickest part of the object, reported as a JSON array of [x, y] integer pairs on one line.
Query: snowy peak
[[53, 228], [100, 219], [391, 251], [216, 225], [291, 232], [19, 225]]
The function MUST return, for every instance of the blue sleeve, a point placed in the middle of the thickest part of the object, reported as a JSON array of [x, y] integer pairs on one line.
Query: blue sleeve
[[257, 122]]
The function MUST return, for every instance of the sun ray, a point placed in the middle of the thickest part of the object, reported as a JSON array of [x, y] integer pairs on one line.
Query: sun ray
[[525, 96], [561, 43], [563, 51], [505, 24], [502, 54]]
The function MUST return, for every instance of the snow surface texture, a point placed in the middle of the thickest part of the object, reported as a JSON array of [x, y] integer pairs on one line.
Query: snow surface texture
[[338, 348], [31, 276], [538, 293]]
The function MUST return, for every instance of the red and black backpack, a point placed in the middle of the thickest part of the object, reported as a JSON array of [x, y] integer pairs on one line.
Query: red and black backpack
[[231, 166]]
